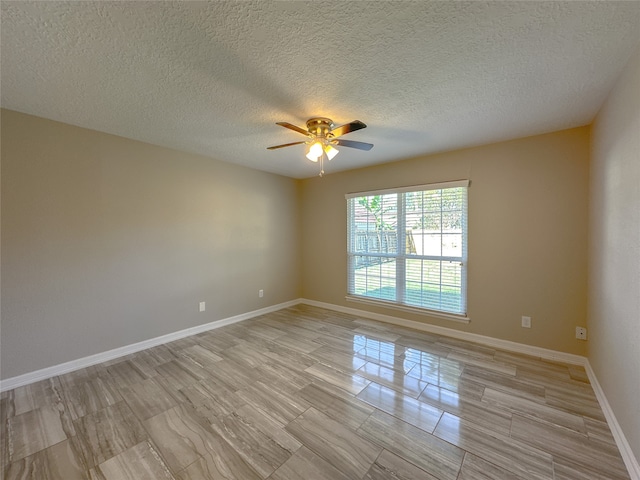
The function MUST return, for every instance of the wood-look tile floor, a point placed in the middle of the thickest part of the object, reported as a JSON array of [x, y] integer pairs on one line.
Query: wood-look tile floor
[[307, 393]]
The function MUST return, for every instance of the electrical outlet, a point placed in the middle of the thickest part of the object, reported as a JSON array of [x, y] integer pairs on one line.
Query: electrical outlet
[[581, 333], [203, 306], [526, 322], [261, 293]]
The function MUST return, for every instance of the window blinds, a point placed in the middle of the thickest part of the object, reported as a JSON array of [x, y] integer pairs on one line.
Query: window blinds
[[408, 246]]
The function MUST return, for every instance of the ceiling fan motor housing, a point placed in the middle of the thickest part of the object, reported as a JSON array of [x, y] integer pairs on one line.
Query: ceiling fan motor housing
[[319, 126]]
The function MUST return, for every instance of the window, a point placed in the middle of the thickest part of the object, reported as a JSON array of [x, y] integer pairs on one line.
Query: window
[[408, 246]]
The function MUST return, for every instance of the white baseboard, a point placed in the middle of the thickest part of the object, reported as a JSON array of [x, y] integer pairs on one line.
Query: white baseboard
[[628, 457], [449, 332], [621, 441], [31, 377]]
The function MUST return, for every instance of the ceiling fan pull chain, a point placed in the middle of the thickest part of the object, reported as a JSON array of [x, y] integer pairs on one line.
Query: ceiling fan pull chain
[[322, 164]]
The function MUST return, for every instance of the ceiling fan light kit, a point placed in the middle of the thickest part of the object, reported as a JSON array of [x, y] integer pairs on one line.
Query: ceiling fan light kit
[[315, 151], [323, 137]]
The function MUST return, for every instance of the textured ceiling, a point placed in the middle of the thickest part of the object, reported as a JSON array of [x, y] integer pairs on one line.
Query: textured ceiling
[[214, 77]]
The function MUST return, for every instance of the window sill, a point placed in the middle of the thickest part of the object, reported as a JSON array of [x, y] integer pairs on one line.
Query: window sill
[[420, 311]]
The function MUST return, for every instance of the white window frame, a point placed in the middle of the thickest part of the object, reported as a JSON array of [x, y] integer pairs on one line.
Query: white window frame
[[401, 256]]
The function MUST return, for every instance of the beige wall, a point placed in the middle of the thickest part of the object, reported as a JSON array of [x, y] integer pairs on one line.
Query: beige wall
[[614, 251], [527, 234], [107, 241]]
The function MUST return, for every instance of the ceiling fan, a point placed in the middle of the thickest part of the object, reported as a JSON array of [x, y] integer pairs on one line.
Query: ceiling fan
[[323, 136]]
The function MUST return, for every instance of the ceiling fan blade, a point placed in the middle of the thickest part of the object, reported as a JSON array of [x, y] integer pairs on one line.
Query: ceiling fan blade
[[347, 128], [294, 128], [284, 145], [352, 144]]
